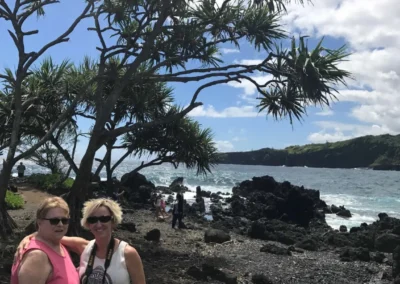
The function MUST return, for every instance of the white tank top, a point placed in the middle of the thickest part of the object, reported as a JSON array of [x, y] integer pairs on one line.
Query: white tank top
[[117, 272]]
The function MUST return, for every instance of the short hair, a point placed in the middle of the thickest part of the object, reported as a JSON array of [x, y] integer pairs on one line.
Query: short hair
[[50, 203], [91, 205]]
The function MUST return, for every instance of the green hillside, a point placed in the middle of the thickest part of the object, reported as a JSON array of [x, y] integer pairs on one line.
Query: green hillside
[[377, 152]]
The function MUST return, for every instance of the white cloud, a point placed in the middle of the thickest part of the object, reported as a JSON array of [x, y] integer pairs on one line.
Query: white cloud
[[335, 131], [210, 111], [248, 61], [364, 24], [371, 31], [224, 146], [229, 50]]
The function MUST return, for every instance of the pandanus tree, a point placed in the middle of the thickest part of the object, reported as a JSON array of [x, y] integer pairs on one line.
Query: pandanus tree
[[52, 86], [181, 142], [17, 15], [178, 41]]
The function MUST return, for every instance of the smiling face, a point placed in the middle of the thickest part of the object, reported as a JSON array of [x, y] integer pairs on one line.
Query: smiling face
[[103, 225], [49, 228]]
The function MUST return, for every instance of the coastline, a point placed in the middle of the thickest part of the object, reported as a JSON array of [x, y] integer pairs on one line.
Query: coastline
[[184, 256]]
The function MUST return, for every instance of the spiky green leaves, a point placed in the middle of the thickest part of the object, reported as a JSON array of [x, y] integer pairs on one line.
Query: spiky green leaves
[[303, 78], [180, 142]]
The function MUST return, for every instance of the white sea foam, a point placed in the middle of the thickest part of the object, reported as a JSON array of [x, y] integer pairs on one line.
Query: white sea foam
[[355, 221]]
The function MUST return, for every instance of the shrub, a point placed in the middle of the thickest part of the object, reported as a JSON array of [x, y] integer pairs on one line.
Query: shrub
[[50, 182], [14, 200]]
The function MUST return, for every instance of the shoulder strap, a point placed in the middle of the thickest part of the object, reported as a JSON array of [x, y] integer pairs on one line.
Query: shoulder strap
[[89, 267]]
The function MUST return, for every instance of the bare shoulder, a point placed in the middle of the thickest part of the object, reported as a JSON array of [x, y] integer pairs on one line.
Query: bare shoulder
[[36, 256], [35, 267], [131, 252]]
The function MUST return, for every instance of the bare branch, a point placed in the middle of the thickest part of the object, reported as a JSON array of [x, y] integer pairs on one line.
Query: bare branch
[[60, 39], [121, 160], [30, 33]]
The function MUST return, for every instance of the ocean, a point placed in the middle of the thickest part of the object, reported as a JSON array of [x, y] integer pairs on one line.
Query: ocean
[[365, 193]]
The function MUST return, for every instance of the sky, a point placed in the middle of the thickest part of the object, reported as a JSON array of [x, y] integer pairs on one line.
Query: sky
[[369, 104]]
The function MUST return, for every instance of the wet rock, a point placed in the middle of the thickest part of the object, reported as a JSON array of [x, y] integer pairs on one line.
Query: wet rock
[[261, 279], [387, 242], [352, 254], [139, 189], [354, 229], [382, 216], [222, 275], [196, 273], [164, 189], [379, 257], [199, 205], [128, 226], [334, 209], [267, 198], [177, 181], [153, 235], [308, 244], [396, 230], [344, 213], [396, 262], [343, 229], [216, 236], [292, 248], [337, 240], [274, 249]]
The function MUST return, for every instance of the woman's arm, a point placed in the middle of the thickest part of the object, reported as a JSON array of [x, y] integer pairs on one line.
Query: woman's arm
[[134, 266], [76, 244], [35, 268]]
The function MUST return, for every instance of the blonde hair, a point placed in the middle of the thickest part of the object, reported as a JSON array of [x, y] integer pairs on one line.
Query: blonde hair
[[50, 203], [93, 204]]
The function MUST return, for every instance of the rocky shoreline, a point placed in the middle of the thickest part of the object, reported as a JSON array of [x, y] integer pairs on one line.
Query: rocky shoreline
[[266, 232]]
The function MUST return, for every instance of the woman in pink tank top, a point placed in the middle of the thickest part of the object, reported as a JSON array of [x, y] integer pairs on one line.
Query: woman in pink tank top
[[45, 260]]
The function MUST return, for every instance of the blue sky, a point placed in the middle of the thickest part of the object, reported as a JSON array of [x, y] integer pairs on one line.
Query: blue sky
[[368, 106]]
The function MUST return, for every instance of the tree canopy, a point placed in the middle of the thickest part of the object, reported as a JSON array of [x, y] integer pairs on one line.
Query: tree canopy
[[143, 46]]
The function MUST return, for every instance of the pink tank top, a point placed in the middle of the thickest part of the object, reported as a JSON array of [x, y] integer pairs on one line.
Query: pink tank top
[[63, 272]]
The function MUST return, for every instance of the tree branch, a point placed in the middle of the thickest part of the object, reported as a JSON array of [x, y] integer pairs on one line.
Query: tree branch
[[50, 131], [121, 159], [65, 153], [60, 39], [122, 130]]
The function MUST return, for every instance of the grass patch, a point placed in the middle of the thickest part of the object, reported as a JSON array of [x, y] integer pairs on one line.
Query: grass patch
[[14, 201]]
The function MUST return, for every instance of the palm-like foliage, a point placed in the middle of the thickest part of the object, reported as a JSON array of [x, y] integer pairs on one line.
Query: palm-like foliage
[[180, 142], [310, 79], [46, 95]]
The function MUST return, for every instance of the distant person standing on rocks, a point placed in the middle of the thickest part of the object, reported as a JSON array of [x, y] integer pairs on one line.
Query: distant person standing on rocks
[[178, 211], [21, 170]]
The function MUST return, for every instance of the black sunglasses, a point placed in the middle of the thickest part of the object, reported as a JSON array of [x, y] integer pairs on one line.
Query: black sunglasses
[[56, 221], [102, 219]]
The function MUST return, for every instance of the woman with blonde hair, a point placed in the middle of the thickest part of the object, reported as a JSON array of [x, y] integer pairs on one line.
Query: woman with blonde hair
[[105, 259], [45, 260]]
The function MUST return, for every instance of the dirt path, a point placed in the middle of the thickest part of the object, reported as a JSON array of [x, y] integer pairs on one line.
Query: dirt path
[[32, 197]]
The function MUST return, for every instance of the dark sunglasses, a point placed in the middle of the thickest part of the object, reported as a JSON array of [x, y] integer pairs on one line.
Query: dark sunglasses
[[56, 221], [102, 219]]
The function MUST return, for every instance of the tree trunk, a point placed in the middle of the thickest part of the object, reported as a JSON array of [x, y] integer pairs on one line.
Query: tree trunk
[[6, 222], [65, 154], [110, 184], [79, 191]]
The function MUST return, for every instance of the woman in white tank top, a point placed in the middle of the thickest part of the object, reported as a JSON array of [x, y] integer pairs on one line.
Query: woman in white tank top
[[104, 260]]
